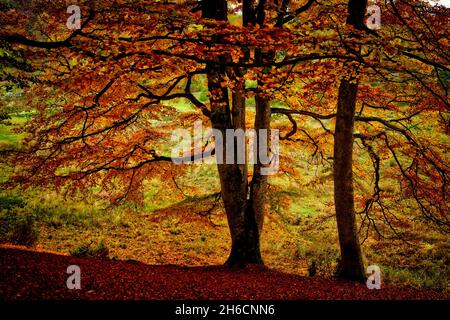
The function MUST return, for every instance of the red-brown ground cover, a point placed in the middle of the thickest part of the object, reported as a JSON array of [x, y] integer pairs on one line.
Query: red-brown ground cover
[[31, 275]]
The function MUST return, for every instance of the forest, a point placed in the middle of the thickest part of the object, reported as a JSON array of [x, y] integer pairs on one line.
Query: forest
[[225, 149]]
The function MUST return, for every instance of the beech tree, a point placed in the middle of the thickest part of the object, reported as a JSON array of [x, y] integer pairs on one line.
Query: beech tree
[[245, 211], [351, 264], [112, 80]]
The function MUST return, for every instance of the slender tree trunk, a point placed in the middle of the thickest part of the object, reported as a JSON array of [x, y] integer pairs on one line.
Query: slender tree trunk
[[351, 265], [258, 188]]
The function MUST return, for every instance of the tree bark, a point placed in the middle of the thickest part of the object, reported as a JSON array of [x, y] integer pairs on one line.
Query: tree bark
[[351, 266], [247, 248], [258, 188], [242, 223], [245, 240]]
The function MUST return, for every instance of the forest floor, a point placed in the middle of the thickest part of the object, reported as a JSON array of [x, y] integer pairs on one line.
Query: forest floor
[[35, 275], [181, 221]]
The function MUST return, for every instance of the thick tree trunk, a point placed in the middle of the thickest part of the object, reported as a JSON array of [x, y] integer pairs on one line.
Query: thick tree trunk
[[351, 266], [246, 226], [246, 242], [243, 226], [245, 248], [233, 177]]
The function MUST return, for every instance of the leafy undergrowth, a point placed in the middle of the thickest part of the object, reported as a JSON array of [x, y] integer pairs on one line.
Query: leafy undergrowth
[[181, 234], [30, 275]]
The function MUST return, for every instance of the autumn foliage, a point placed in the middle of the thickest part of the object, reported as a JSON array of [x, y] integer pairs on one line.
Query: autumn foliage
[[102, 93]]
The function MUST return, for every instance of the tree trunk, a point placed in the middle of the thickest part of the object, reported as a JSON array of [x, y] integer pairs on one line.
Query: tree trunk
[[242, 223], [351, 266], [247, 226], [258, 188], [246, 243], [243, 226]]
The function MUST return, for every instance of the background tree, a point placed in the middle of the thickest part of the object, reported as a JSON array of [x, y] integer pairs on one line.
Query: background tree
[[351, 264]]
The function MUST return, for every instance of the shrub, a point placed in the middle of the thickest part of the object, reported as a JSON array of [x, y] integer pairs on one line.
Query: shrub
[[4, 115], [100, 251], [18, 228], [322, 259], [10, 202]]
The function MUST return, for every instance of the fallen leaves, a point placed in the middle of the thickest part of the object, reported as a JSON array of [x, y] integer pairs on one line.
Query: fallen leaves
[[28, 275]]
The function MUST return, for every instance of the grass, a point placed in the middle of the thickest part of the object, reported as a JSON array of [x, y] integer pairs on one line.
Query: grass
[[16, 224], [417, 278], [8, 137], [181, 105], [88, 250], [18, 228]]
